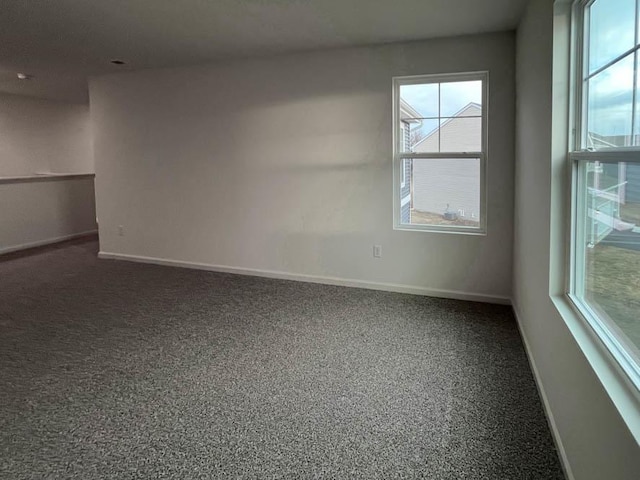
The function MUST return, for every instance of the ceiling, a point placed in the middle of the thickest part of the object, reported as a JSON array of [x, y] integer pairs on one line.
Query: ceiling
[[62, 42]]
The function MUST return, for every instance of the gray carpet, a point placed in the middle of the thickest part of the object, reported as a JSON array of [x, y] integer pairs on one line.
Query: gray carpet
[[119, 370]]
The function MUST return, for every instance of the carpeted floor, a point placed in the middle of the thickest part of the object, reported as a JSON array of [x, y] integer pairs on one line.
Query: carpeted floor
[[120, 370]]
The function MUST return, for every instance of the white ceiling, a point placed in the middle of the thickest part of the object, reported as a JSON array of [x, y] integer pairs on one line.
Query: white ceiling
[[62, 42]]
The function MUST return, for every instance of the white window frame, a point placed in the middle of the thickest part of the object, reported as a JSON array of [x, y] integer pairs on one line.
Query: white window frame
[[403, 167], [403, 173], [399, 155], [579, 156]]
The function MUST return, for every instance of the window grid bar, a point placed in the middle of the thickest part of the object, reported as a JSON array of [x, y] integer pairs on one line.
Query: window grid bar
[[611, 156], [635, 76], [441, 118], [589, 76], [439, 155], [439, 115]]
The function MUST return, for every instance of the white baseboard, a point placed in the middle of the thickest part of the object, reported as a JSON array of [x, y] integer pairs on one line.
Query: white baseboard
[[564, 461], [343, 282], [48, 241]]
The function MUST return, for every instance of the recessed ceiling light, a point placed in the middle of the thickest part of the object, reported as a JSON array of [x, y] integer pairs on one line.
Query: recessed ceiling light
[[24, 76], [115, 61]]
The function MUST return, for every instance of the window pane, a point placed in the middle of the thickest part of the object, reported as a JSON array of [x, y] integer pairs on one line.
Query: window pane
[[445, 192], [610, 106], [611, 30], [461, 134], [609, 270], [424, 136], [419, 100], [461, 98], [636, 123]]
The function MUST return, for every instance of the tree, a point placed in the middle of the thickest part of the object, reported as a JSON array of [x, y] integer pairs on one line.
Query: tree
[[416, 136]]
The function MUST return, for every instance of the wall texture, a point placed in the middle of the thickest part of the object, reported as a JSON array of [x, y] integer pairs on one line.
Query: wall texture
[[592, 435], [43, 136], [284, 165]]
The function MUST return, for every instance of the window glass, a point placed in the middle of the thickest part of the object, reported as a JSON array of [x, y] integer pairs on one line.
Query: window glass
[[636, 122], [461, 134], [459, 126], [423, 98], [456, 96], [442, 115], [605, 282], [611, 31], [610, 215], [610, 103], [424, 135], [446, 192]]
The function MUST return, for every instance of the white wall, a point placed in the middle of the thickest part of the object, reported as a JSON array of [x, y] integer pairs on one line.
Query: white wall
[[40, 135], [36, 213], [284, 164], [44, 136], [596, 442]]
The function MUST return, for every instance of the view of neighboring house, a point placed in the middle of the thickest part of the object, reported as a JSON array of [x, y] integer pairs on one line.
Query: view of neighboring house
[[628, 175], [444, 186], [408, 118], [460, 133], [611, 186]]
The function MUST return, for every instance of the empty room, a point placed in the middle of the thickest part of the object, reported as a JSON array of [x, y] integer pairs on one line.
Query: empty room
[[363, 239]]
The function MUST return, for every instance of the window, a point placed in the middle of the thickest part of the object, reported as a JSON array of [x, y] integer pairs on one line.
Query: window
[[605, 158], [440, 125]]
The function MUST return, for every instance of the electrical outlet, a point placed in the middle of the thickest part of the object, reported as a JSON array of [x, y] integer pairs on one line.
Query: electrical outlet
[[377, 251], [121, 230]]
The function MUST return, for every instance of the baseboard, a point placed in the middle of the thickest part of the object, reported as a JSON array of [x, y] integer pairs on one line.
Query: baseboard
[[49, 241], [343, 282], [564, 461]]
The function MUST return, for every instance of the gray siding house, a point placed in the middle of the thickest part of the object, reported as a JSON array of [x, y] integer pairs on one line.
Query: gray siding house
[[628, 175], [454, 185], [408, 117], [610, 187]]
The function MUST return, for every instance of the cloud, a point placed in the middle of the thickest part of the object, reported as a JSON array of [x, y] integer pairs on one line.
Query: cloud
[[610, 95], [452, 98]]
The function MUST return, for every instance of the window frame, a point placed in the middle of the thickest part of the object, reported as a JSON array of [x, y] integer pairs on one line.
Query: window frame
[[399, 156], [579, 156], [403, 173]]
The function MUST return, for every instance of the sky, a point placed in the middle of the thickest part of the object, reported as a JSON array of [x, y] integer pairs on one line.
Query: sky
[[453, 97], [611, 33]]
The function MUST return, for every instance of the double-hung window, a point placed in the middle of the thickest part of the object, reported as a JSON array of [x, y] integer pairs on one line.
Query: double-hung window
[[440, 145], [605, 158]]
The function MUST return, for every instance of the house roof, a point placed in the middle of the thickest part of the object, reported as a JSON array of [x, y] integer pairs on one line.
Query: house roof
[[408, 113], [595, 140], [458, 114]]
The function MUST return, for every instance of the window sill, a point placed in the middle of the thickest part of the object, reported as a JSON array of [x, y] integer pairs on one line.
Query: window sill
[[477, 232], [623, 393]]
